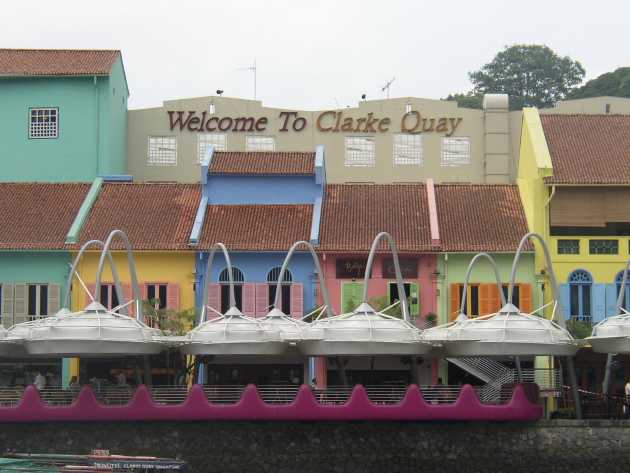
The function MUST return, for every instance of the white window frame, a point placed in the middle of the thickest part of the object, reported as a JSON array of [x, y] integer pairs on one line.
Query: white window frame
[[214, 139], [364, 154], [260, 143], [407, 150], [38, 299], [43, 130], [161, 159], [455, 151]]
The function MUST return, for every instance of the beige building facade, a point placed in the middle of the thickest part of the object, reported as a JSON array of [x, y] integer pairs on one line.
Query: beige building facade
[[381, 141]]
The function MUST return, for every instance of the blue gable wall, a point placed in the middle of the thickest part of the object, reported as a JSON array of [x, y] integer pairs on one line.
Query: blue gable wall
[[262, 189], [255, 267]]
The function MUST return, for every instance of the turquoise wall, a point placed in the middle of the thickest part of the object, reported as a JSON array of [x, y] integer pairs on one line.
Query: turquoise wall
[[92, 128]]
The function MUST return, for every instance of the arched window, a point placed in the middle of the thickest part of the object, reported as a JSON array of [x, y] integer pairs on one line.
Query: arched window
[[580, 285], [285, 298], [626, 298], [224, 281]]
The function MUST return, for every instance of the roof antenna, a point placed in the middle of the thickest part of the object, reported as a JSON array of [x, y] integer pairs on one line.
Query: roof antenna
[[387, 86], [253, 69]]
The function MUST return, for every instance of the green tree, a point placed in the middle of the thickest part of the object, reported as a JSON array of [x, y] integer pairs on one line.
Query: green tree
[[468, 100], [530, 74], [615, 84]]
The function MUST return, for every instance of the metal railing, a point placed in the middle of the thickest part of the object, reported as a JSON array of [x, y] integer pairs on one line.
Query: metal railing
[[270, 394], [594, 405]]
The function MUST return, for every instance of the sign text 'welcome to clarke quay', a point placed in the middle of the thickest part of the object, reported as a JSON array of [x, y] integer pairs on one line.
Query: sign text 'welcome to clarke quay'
[[326, 122]]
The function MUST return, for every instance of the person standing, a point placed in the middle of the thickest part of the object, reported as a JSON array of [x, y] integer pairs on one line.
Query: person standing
[[626, 400], [40, 381]]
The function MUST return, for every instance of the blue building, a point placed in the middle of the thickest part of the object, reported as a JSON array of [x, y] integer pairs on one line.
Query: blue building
[[258, 204]]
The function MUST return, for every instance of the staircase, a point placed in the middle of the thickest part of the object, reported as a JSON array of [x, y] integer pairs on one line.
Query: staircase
[[491, 372]]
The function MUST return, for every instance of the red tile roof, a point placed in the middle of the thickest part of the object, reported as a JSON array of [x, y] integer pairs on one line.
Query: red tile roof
[[588, 149], [256, 227], [38, 215], [154, 216], [56, 62], [263, 163], [353, 214], [480, 217]]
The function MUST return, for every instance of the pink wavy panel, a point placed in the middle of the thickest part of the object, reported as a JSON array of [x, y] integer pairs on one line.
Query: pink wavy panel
[[304, 407]]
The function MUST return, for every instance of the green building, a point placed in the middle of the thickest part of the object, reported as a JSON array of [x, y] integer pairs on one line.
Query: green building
[[63, 116]]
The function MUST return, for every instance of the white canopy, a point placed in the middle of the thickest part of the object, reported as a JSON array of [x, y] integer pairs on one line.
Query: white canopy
[[507, 332], [612, 335], [234, 334], [92, 332], [289, 329], [5, 348], [363, 332]]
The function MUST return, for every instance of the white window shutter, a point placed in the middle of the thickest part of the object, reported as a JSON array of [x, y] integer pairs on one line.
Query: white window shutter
[[19, 303], [7, 304], [54, 296]]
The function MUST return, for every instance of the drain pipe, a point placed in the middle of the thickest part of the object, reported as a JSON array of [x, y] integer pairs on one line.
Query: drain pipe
[[556, 294]]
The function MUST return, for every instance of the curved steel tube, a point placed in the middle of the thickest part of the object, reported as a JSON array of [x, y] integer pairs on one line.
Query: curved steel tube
[[75, 264], [137, 295], [322, 284], [228, 263], [493, 263], [622, 289], [399, 279]]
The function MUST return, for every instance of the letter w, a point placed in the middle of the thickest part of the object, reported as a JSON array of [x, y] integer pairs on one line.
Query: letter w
[[178, 121]]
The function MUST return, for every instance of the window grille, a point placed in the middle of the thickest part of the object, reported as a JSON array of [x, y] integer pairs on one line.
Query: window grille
[[43, 123], [568, 247], [360, 151], [407, 150], [218, 140], [603, 247], [260, 143], [455, 151], [237, 275], [162, 151], [274, 274]]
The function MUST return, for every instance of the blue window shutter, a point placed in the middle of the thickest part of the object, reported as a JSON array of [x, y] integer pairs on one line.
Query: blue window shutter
[[565, 300], [611, 300], [599, 302]]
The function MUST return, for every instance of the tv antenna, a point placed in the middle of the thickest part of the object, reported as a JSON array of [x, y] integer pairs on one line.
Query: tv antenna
[[387, 86], [251, 68]]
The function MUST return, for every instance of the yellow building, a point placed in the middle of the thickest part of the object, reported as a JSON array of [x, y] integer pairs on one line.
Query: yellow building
[[574, 180]]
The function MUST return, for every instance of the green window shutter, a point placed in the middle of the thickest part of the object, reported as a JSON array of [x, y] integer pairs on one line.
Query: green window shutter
[[19, 303], [7, 304], [54, 296], [414, 300]]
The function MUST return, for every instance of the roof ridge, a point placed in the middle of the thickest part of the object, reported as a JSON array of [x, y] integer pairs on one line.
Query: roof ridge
[[62, 50]]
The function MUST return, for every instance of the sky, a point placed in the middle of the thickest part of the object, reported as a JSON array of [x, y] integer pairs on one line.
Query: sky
[[316, 54]]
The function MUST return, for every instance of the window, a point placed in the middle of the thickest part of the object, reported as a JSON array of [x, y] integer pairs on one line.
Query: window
[[260, 143], [568, 247], [224, 281], [108, 296], [455, 151], [407, 150], [603, 247], [285, 296], [626, 297], [43, 123], [157, 295], [516, 293], [360, 151], [1, 304], [37, 300], [472, 299], [218, 140], [580, 283], [162, 151]]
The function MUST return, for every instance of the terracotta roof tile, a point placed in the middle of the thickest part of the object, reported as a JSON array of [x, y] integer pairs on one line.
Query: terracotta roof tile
[[56, 62], [263, 163], [256, 227], [353, 214], [588, 149], [154, 216], [38, 215], [480, 217]]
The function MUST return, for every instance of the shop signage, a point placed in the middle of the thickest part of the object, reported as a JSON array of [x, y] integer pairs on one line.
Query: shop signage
[[350, 268], [408, 268], [331, 121]]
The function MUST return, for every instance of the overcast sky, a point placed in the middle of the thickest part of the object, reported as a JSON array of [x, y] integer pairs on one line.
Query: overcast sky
[[316, 54]]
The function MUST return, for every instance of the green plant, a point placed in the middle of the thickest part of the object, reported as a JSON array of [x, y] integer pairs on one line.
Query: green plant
[[169, 321], [579, 329], [431, 318]]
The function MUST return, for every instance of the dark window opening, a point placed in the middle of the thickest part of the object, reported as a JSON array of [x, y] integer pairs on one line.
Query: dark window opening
[[516, 299], [156, 294], [611, 229], [285, 294], [32, 300], [225, 297]]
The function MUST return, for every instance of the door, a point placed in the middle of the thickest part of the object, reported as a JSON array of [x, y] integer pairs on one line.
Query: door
[[411, 290], [351, 296]]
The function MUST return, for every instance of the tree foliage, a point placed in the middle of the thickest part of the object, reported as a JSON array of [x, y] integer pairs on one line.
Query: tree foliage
[[615, 84], [468, 100], [531, 75]]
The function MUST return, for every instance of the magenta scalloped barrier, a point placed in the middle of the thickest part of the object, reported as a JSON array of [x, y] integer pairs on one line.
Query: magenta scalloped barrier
[[252, 408]]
